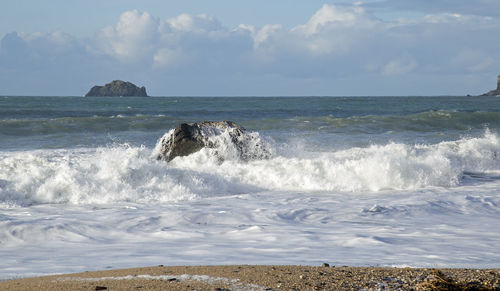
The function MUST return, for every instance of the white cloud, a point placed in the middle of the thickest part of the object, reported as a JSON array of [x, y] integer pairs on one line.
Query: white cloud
[[469, 7], [400, 66], [194, 23], [132, 38], [139, 37], [331, 30], [330, 16], [266, 33], [168, 58], [338, 42], [52, 43]]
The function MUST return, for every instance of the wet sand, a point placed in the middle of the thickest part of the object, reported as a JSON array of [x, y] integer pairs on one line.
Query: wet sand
[[246, 277]]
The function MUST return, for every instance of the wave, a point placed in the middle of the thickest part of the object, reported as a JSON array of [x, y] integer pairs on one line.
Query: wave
[[372, 124], [373, 168], [431, 120], [440, 120], [124, 173], [99, 124]]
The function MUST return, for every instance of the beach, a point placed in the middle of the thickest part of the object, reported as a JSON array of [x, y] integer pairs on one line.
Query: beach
[[247, 277]]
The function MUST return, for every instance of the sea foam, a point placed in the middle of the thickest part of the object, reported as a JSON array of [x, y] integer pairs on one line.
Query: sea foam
[[102, 175], [124, 173], [372, 168]]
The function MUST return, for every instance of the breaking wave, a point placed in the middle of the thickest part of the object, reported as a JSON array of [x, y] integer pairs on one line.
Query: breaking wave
[[124, 173]]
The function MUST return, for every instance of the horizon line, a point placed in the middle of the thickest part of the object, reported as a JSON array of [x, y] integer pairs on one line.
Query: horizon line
[[246, 96]]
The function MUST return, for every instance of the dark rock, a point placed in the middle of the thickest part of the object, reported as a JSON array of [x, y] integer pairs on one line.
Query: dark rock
[[492, 93], [117, 88], [495, 92], [188, 138]]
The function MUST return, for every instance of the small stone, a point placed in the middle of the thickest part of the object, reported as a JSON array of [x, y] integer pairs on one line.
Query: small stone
[[97, 288], [325, 265]]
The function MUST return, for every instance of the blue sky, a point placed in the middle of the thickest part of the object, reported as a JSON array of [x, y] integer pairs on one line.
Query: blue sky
[[251, 48]]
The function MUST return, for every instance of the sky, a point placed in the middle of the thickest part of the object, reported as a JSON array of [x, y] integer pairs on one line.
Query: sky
[[251, 48]]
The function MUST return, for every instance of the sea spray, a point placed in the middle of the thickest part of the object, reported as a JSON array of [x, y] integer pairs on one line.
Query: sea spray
[[373, 168], [229, 141], [131, 174], [102, 175]]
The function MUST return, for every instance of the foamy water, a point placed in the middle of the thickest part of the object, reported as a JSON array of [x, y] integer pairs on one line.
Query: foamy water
[[301, 199]]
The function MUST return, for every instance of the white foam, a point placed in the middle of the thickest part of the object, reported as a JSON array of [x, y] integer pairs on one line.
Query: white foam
[[103, 175], [377, 167], [432, 227], [432, 205], [123, 173]]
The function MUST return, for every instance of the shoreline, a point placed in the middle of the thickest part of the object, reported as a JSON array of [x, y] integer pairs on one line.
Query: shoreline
[[258, 277]]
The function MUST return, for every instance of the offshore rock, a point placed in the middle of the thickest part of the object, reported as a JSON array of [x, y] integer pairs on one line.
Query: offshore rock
[[228, 138], [495, 92], [117, 88]]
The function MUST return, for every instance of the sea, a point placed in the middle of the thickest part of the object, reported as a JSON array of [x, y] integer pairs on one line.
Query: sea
[[357, 181]]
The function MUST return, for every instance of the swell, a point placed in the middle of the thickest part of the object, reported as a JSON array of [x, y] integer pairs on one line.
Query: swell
[[428, 121], [97, 124], [431, 120]]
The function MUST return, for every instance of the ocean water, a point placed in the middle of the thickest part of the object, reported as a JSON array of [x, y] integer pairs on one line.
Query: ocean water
[[361, 181]]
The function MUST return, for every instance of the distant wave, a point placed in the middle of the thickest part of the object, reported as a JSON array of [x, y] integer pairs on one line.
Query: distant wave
[[424, 121], [28, 127], [420, 122], [132, 174]]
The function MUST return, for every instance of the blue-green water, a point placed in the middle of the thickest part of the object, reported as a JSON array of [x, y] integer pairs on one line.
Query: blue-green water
[[62, 122]]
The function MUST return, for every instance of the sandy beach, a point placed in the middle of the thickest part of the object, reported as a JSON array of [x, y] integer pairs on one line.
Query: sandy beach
[[246, 277]]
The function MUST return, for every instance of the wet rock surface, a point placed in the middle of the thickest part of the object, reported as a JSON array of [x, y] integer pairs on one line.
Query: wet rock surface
[[189, 138]]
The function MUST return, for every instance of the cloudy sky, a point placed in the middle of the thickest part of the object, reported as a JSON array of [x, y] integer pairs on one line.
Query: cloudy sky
[[251, 48]]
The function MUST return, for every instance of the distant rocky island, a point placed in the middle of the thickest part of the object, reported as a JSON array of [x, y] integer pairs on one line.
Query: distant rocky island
[[495, 92], [117, 88]]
